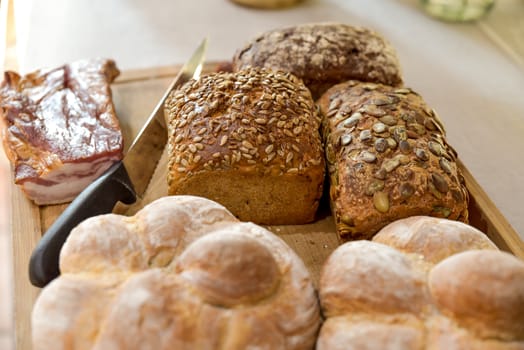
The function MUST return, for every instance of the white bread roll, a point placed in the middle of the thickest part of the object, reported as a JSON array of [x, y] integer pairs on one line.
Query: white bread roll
[[422, 283], [182, 273]]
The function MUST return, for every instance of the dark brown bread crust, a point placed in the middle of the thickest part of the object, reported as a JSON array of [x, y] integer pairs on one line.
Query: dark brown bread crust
[[387, 159], [250, 141], [323, 54]]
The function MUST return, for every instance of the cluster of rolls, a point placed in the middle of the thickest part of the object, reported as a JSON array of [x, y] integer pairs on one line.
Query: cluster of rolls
[[184, 273], [258, 137], [422, 283]]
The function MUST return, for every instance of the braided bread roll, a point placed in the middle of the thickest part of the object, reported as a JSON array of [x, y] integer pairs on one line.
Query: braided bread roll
[[182, 273], [422, 283]]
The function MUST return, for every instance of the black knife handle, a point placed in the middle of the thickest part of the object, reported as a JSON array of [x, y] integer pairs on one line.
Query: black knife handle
[[98, 198]]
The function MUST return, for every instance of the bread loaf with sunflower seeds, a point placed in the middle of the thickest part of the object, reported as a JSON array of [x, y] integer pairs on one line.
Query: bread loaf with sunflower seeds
[[250, 141], [388, 159]]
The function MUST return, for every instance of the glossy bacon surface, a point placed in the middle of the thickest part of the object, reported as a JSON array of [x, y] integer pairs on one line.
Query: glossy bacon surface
[[59, 128]]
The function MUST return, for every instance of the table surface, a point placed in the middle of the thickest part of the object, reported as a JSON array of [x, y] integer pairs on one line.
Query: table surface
[[472, 74]]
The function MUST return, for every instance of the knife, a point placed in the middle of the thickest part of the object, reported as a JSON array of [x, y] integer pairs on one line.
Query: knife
[[123, 181]]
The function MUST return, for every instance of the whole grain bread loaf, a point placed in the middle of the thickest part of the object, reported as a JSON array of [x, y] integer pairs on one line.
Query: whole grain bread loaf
[[422, 283], [387, 159], [250, 141], [323, 54]]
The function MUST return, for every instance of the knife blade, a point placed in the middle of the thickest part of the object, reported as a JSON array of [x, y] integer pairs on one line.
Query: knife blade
[[124, 181]]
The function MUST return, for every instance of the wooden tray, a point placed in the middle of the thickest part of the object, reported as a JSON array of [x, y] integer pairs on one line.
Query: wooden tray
[[135, 95]]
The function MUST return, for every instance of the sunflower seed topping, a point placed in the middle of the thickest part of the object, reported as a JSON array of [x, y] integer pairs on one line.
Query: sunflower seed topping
[[403, 91], [379, 127], [421, 154], [365, 135], [345, 140], [381, 145], [353, 120], [391, 143], [368, 157], [404, 146], [390, 164], [373, 110], [256, 114], [389, 120]]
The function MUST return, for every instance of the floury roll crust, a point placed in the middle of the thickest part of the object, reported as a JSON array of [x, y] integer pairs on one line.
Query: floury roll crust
[[182, 273], [422, 283]]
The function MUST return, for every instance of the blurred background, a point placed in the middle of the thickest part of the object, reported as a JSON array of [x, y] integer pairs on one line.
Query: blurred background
[[460, 68]]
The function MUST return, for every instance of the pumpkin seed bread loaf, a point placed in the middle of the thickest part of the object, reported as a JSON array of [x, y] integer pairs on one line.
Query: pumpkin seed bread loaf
[[250, 141], [323, 54], [387, 159]]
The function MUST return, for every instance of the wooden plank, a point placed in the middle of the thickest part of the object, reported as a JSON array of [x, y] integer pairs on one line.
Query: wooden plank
[[26, 231], [484, 215], [140, 75], [135, 94], [312, 242], [144, 74]]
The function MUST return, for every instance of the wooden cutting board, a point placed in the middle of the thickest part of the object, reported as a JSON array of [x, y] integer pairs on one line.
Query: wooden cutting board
[[135, 95]]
